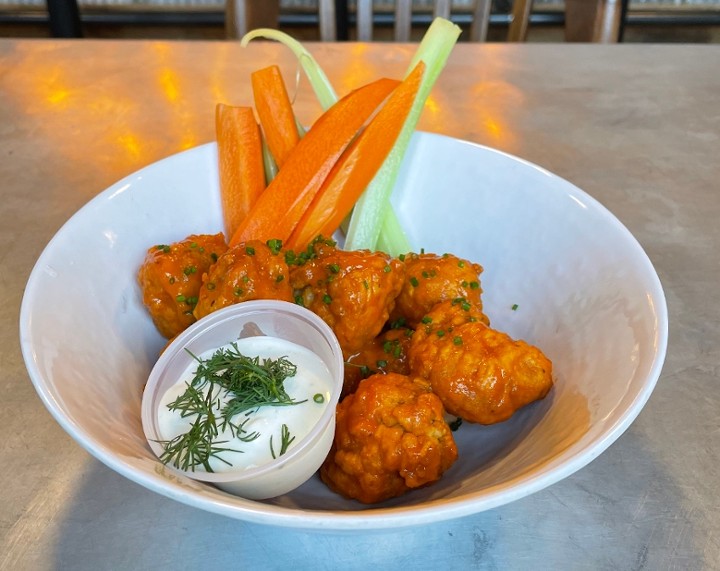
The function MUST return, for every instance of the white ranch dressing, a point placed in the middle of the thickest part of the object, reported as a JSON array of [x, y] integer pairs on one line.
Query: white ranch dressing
[[312, 378]]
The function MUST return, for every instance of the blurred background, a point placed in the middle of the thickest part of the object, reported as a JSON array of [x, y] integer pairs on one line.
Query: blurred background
[[662, 21]]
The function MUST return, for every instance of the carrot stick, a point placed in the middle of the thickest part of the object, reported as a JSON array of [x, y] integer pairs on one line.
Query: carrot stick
[[240, 163], [282, 204], [275, 112], [358, 165]]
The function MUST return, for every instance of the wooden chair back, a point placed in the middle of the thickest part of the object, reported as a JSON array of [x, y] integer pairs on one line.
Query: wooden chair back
[[244, 15], [441, 8], [403, 18]]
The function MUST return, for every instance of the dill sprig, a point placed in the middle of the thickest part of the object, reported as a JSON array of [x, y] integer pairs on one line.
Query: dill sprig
[[194, 401], [285, 441], [194, 448], [248, 383]]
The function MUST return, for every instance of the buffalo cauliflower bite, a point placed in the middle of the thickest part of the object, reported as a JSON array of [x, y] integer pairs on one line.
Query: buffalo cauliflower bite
[[352, 291], [251, 270], [390, 437], [480, 374], [432, 278], [387, 353], [170, 279]]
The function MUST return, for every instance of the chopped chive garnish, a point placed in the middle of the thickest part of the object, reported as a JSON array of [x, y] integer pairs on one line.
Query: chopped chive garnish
[[455, 424], [275, 245]]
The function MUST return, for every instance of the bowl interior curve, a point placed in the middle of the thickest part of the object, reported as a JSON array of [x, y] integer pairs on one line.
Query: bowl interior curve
[[560, 271]]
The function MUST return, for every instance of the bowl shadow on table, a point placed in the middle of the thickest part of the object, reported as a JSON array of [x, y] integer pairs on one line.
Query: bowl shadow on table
[[125, 523]]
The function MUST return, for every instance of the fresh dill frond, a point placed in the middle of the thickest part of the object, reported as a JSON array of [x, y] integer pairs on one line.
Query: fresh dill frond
[[285, 441], [194, 401], [247, 383], [238, 430], [194, 448]]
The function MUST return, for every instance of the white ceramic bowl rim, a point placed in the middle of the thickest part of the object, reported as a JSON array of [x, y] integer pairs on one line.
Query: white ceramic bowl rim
[[569, 461]]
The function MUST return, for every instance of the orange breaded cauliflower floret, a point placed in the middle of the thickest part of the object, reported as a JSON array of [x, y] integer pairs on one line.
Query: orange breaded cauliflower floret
[[390, 437], [251, 270], [170, 278], [432, 278], [480, 374], [352, 291], [387, 353]]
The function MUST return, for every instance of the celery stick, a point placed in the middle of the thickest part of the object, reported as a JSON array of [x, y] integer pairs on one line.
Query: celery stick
[[392, 236], [392, 239], [318, 80], [268, 162], [370, 210]]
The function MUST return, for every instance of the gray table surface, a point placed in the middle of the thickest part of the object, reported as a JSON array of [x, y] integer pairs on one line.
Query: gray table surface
[[636, 126]]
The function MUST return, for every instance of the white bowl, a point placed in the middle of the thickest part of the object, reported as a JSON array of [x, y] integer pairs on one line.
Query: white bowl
[[278, 319], [560, 272]]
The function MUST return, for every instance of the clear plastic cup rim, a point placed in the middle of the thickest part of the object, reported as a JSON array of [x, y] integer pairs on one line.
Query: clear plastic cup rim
[[281, 317]]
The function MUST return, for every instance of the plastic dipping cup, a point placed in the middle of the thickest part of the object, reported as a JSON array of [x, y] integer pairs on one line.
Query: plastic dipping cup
[[279, 319]]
